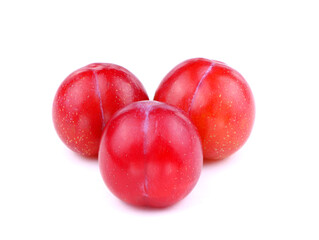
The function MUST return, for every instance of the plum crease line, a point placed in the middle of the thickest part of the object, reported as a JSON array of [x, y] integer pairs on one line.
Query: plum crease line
[[98, 92], [145, 131], [199, 84]]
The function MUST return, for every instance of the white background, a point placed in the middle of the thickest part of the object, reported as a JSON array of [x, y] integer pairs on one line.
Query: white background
[[267, 190]]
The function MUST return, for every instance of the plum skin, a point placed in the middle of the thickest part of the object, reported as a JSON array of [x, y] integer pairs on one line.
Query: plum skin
[[216, 98], [150, 154], [87, 99]]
